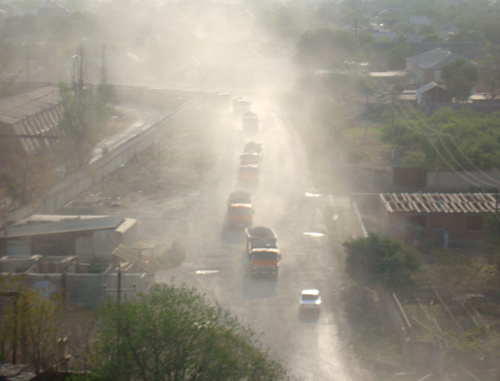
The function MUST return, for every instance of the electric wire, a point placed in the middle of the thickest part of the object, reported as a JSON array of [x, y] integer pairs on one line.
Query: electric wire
[[463, 173], [495, 183], [433, 145]]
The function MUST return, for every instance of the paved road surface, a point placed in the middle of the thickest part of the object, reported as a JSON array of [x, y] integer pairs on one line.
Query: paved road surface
[[309, 344]]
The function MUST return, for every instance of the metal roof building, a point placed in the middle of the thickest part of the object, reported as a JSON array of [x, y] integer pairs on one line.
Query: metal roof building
[[457, 219], [25, 119]]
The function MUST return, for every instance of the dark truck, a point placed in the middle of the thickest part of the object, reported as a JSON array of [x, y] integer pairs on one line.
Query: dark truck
[[250, 122], [239, 210], [241, 105], [262, 250], [253, 148]]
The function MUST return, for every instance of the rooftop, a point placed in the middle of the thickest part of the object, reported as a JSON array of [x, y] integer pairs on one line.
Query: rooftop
[[433, 59], [469, 203], [63, 224], [16, 108]]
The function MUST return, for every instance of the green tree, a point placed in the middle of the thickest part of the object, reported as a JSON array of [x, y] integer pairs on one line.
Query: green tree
[[175, 334], [460, 77], [79, 126], [380, 260], [31, 325]]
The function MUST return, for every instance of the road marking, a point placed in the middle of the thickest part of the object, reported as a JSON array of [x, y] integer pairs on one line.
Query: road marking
[[205, 272], [314, 234]]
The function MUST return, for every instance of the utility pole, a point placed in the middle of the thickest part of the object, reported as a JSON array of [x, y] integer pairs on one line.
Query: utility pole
[[438, 185], [119, 289], [104, 69]]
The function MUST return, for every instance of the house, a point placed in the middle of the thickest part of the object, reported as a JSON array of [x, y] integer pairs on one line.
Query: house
[[433, 92], [54, 235], [426, 67], [28, 122], [437, 219]]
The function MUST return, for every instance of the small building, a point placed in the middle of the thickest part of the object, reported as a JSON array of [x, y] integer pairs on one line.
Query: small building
[[433, 92], [60, 235], [426, 67], [437, 219]]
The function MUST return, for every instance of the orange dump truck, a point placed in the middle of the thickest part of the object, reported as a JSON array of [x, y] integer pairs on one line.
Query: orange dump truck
[[262, 250], [239, 210], [249, 169]]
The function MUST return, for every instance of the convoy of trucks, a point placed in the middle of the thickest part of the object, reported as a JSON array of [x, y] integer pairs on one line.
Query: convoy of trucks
[[239, 210], [261, 242], [262, 250]]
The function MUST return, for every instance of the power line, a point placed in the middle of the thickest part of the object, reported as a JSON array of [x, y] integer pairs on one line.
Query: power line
[[439, 135]]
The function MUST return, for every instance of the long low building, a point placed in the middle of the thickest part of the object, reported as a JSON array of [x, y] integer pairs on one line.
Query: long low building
[[439, 219], [62, 235], [29, 122]]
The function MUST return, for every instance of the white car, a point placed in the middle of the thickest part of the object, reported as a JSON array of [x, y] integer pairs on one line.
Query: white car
[[310, 299]]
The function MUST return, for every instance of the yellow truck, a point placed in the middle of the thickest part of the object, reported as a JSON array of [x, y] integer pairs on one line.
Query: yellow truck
[[262, 250], [239, 210]]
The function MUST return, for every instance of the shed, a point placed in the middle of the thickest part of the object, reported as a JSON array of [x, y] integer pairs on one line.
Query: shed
[[55, 235], [455, 219], [433, 92]]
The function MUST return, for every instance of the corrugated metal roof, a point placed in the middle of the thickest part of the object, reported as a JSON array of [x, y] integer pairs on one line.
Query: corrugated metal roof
[[31, 116], [22, 106], [433, 59], [63, 226], [470, 203]]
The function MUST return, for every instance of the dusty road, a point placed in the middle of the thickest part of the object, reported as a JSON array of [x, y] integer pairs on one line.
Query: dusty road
[[310, 345]]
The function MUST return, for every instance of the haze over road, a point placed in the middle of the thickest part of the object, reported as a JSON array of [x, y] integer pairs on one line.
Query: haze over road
[[308, 344]]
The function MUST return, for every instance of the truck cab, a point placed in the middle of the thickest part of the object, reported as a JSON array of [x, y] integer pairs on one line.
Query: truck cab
[[239, 210], [262, 250]]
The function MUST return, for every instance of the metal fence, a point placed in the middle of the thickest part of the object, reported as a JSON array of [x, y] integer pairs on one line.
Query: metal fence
[[73, 185]]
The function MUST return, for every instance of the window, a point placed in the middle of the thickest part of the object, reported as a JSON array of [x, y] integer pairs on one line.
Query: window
[[475, 223]]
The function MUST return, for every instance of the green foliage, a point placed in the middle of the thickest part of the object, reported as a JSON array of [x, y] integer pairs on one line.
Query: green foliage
[[478, 342], [28, 179], [460, 77], [396, 59], [31, 325], [82, 122], [325, 48], [461, 273], [464, 138], [379, 260], [174, 333]]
